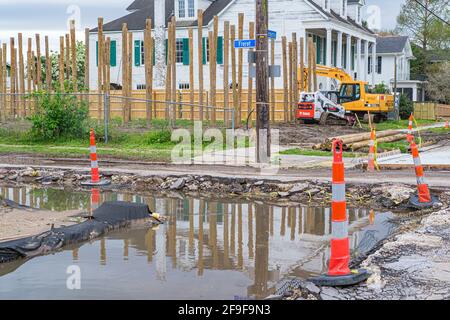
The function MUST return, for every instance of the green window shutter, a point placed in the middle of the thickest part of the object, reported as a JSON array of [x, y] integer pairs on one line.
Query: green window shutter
[[204, 50], [325, 51], [353, 58], [167, 41], [154, 54], [137, 53], [186, 51], [96, 52], [335, 52], [219, 50], [319, 48], [113, 54]]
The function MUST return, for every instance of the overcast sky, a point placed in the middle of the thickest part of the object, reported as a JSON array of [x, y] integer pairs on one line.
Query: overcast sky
[[50, 17]]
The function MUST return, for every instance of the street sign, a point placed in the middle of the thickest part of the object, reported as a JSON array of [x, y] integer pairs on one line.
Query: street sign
[[244, 44], [271, 34]]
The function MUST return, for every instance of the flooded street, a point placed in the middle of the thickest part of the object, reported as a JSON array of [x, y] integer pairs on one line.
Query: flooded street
[[205, 250]]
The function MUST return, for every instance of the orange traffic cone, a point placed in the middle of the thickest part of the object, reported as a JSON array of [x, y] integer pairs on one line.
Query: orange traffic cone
[[371, 162], [339, 273], [410, 136], [423, 199], [95, 176], [446, 124]]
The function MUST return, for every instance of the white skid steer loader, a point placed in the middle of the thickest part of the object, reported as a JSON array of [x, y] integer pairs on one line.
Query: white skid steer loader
[[316, 107]]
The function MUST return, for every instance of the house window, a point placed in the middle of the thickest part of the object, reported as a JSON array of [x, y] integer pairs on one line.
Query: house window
[[359, 14], [181, 9], [369, 65], [344, 7], [380, 65], [183, 86], [142, 53], [191, 8], [179, 50]]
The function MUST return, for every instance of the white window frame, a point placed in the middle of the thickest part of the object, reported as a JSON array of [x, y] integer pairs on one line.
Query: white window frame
[[179, 41], [186, 15]]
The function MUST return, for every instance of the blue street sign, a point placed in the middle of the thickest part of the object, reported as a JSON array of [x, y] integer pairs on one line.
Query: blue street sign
[[271, 34], [242, 44]]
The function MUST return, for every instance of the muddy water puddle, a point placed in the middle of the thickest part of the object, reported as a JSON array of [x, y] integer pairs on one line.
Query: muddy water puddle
[[206, 250]]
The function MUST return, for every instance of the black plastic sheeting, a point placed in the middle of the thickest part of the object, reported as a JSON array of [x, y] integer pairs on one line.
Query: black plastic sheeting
[[109, 216]]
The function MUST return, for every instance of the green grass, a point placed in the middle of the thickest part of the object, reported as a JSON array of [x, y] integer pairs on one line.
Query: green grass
[[392, 125], [304, 152]]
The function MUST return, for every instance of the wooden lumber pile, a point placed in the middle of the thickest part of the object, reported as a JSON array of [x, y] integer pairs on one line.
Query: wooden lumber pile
[[353, 142]]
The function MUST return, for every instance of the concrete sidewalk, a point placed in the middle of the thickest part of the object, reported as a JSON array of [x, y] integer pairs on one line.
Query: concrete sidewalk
[[434, 156]]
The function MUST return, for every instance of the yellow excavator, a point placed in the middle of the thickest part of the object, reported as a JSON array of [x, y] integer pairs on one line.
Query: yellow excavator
[[353, 95]]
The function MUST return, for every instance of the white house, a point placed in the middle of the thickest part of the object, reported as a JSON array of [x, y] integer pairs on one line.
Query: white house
[[390, 49], [335, 25]]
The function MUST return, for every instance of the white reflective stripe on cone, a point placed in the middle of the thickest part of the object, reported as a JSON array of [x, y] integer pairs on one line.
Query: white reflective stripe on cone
[[338, 191], [371, 143], [417, 162], [93, 149], [94, 164], [420, 180], [339, 230]]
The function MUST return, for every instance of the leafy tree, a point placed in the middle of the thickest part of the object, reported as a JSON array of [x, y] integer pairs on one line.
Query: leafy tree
[[438, 82], [406, 107], [381, 88]]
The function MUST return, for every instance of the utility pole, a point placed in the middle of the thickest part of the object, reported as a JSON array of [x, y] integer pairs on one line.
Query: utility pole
[[262, 83], [396, 105]]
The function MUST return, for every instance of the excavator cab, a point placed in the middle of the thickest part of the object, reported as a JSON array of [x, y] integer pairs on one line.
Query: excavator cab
[[349, 92]]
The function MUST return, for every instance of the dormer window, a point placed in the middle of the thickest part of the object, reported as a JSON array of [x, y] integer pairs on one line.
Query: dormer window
[[359, 14], [344, 8], [185, 9]]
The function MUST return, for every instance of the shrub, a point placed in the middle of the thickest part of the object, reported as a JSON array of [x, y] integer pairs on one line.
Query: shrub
[[59, 116], [406, 107], [381, 88]]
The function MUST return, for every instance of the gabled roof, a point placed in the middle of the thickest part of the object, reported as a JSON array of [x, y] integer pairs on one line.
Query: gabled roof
[[332, 15], [391, 44], [145, 9]]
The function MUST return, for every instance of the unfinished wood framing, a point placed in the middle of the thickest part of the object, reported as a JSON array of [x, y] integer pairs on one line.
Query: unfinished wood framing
[[174, 69], [124, 69], [213, 66], [251, 35], [285, 78], [291, 87], [272, 81], [191, 72], [240, 63], [226, 82], [73, 45], [67, 56], [233, 74], [302, 64], [61, 63], [130, 75], [12, 76], [168, 72], [48, 67], [148, 51], [107, 86], [38, 63], [310, 63], [100, 56], [86, 61], [200, 62], [21, 76]]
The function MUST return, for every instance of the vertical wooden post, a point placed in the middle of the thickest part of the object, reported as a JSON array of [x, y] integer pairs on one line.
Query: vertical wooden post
[[61, 63], [251, 28], [291, 91], [12, 76], [68, 57], [226, 82], [2, 106], [48, 66], [213, 66], [294, 74], [16, 78], [130, 75], [240, 62], [124, 69], [168, 72], [191, 71], [314, 66], [34, 70], [310, 63], [107, 85], [200, 62], [29, 75], [210, 47], [174, 69], [38, 64], [148, 63], [74, 56], [21, 75], [302, 64], [86, 61], [272, 81], [100, 79], [5, 72], [233, 74], [285, 79]]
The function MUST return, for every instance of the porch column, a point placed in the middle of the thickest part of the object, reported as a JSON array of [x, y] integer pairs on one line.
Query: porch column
[[349, 54], [303, 34], [358, 58], [339, 50], [374, 61], [329, 55], [366, 60]]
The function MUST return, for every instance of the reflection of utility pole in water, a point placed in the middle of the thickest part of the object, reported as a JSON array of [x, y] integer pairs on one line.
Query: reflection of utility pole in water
[[259, 289], [283, 222], [226, 255], [173, 233], [200, 237], [160, 255], [212, 218], [293, 222], [75, 254], [233, 230], [250, 231], [271, 220], [191, 226], [126, 244], [240, 255], [103, 252], [149, 242]]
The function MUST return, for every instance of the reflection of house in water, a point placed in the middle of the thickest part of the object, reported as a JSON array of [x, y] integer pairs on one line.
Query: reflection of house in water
[[263, 242]]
